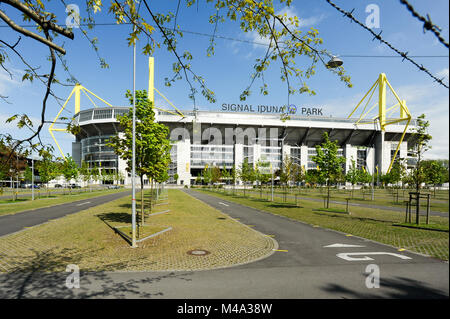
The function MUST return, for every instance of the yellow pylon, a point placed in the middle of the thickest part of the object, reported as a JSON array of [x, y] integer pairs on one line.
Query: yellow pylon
[[404, 115], [77, 93], [78, 89]]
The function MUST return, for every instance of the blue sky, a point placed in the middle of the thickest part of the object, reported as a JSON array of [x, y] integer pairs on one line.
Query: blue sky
[[228, 72]]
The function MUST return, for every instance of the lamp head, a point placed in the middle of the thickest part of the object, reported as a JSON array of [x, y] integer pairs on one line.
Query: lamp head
[[334, 62]]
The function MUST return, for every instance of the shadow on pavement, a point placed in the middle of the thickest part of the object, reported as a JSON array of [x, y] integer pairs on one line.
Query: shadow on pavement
[[43, 276], [398, 288]]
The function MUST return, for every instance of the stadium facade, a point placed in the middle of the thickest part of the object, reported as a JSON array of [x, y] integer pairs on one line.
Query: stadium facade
[[228, 137]]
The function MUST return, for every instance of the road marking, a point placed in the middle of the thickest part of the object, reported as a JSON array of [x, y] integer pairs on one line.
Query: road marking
[[282, 250], [82, 203], [346, 256], [223, 204], [342, 246]]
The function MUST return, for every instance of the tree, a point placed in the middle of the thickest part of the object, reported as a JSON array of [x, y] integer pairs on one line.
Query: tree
[[287, 171], [246, 173], [396, 173], [263, 172], [85, 172], [69, 169], [299, 174], [225, 175], [421, 145], [328, 162], [215, 174], [312, 177], [175, 177], [435, 173], [152, 144], [47, 168], [95, 173], [288, 46], [198, 179], [353, 176], [207, 176], [28, 174]]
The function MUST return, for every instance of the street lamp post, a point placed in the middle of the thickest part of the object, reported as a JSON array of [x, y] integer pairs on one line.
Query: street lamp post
[[271, 189], [32, 177], [133, 165]]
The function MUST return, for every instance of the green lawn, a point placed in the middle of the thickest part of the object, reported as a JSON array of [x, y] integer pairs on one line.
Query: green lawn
[[375, 224], [382, 197], [8, 206]]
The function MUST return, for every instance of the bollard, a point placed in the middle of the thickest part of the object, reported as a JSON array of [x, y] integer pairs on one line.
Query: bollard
[[428, 208], [406, 213], [346, 207]]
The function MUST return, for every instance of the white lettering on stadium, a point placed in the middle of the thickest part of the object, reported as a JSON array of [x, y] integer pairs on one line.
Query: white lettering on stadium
[[291, 109]]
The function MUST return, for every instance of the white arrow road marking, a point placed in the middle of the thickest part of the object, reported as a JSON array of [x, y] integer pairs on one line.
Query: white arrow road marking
[[223, 204], [82, 203], [341, 246], [346, 256]]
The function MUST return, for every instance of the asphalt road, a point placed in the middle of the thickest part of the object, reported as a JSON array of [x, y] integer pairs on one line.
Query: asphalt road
[[16, 222], [311, 263]]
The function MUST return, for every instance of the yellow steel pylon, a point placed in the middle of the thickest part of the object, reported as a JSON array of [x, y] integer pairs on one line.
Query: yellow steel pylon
[[152, 89], [381, 118], [77, 93], [79, 88]]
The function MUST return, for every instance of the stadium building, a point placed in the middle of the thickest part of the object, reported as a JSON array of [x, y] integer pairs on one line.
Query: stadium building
[[227, 138], [372, 135]]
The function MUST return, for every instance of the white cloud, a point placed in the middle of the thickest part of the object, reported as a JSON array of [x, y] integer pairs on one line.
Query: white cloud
[[7, 83], [290, 13], [433, 102]]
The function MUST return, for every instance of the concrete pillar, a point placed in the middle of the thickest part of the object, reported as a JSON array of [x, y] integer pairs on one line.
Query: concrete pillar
[[256, 153], [184, 161], [238, 157], [304, 156], [350, 154], [370, 160]]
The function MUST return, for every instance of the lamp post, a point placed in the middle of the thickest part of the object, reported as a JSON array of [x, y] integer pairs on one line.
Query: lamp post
[[133, 161], [271, 190], [32, 177]]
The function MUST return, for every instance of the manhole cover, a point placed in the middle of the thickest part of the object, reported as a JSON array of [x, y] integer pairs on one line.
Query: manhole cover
[[198, 252]]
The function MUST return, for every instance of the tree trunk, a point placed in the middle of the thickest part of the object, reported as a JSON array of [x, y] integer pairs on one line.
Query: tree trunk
[[151, 196], [328, 195], [142, 200]]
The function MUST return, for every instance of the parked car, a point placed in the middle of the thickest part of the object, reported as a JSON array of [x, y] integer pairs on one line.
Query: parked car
[[35, 186], [113, 187], [74, 186], [58, 186]]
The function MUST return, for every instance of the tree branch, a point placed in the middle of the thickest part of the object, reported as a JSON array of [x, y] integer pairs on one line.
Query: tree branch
[[30, 34], [45, 24]]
